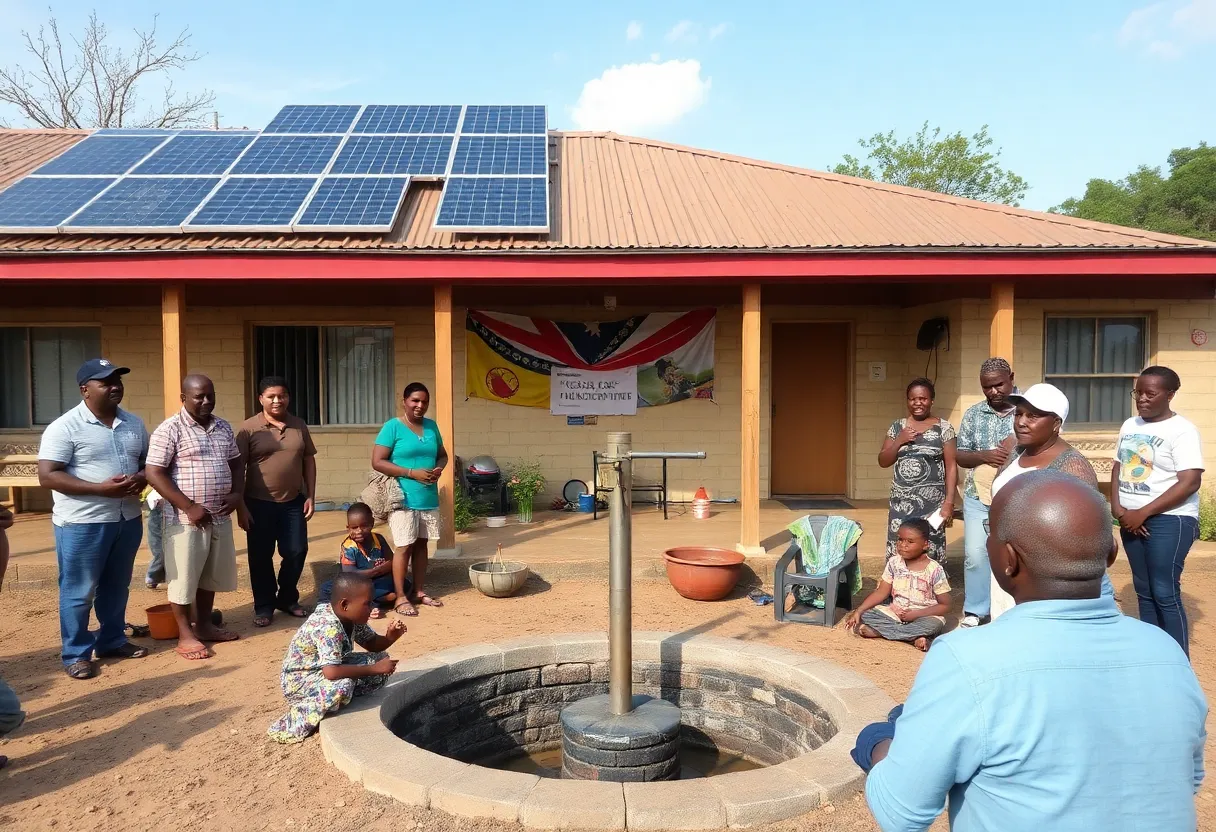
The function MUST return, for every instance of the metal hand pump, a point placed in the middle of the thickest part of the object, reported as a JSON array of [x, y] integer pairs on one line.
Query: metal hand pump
[[620, 564]]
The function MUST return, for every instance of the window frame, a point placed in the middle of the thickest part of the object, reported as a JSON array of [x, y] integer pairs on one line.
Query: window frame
[[253, 408], [29, 362], [1146, 360]]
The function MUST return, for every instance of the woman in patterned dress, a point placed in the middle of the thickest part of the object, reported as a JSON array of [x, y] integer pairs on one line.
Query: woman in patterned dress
[[921, 448]]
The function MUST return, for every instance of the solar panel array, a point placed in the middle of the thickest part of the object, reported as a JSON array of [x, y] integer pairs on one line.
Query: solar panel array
[[317, 168]]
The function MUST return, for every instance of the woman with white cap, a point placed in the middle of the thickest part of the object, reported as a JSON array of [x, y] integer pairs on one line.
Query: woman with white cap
[[1041, 412]]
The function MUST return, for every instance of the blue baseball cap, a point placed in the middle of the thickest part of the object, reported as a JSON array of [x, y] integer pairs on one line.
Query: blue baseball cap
[[96, 369]]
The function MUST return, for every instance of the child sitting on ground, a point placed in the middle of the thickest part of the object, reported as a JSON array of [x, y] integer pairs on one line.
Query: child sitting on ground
[[322, 672], [368, 554], [917, 587]]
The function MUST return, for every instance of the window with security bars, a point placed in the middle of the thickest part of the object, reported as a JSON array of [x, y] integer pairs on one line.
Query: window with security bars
[[338, 375], [38, 367], [1095, 362]]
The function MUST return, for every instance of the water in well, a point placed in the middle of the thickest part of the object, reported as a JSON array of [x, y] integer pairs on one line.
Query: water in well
[[694, 762]]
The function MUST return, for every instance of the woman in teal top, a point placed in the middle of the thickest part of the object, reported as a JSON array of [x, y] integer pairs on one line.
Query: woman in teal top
[[411, 449]]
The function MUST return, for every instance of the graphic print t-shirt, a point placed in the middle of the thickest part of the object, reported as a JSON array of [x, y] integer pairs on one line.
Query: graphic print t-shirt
[[1150, 455], [913, 590]]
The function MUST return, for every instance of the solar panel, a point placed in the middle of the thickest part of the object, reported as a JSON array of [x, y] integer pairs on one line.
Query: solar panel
[[313, 118], [194, 155], [261, 203], [42, 203], [494, 203], [354, 204], [101, 156], [144, 204], [496, 119], [517, 155], [274, 155], [408, 118], [413, 155]]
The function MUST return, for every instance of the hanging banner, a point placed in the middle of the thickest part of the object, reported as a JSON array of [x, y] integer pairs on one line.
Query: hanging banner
[[510, 358], [593, 393]]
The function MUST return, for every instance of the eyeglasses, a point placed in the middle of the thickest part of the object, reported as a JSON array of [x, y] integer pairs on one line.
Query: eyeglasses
[[1137, 395], [987, 528]]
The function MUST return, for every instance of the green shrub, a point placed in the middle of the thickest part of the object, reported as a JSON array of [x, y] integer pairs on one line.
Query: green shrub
[[1207, 515], [467, 511]]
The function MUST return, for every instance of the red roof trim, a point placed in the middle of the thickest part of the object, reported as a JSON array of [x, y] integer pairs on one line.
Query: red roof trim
[[732, 268]]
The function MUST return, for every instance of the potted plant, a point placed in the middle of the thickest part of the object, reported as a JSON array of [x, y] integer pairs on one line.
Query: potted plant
[[525, 483]]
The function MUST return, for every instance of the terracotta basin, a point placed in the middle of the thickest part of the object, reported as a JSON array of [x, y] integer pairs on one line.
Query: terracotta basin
[[703, 573]]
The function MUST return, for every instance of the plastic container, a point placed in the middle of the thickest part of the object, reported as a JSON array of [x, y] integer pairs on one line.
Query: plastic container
[[700, 504], [586, 503], [161, 623]]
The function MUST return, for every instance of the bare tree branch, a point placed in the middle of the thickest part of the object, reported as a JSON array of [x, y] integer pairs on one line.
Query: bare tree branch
[[89, 82]]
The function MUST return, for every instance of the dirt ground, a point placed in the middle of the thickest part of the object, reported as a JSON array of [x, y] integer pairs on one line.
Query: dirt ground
[[161, 742]]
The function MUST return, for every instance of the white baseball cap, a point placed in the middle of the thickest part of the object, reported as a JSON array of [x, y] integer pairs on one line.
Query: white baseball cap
[[1045, 398]]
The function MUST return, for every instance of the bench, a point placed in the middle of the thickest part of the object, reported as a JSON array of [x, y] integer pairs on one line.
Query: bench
[[17, 471]]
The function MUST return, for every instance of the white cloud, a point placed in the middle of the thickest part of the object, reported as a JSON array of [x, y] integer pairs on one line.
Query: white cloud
[[633, 31], [637, 97], [1170, 28], [718, 31], [685, 30], [654, 57]]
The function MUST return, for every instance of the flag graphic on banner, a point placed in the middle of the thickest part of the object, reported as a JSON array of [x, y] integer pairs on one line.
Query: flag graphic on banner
[[508, 357]]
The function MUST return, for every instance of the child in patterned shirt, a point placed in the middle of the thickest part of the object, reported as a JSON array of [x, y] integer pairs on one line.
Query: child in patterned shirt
[[322, 671], [917, 587]]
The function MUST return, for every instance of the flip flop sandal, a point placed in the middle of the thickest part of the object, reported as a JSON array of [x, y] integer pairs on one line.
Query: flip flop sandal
[[262, 620], [127, 651], [410, 610], [428, 601], [759, 597], [376, 613], [80, 670], [295, 611], [224, 636], [194, 655], [138, 630]]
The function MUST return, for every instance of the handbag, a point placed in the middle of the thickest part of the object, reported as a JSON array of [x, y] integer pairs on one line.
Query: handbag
[[382, 495]]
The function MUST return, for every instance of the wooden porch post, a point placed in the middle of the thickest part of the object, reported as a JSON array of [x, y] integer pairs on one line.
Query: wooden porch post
[[173, 343], [444, 407], [1000, 333], [749, 485]]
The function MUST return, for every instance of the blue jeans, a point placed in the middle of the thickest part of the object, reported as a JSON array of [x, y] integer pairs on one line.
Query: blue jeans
[[1156, 563], [156, 524], [11, 715], [95, 565], [282, 524], [977, 576]]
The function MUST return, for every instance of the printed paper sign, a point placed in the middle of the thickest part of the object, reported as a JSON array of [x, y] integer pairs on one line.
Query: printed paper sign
[[593, 393]]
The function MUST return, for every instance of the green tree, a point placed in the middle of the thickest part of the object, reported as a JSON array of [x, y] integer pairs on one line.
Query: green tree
[[953, 164], [1182, 203]]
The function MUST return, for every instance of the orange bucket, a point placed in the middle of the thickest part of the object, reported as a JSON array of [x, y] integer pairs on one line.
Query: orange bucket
[[161, 623]]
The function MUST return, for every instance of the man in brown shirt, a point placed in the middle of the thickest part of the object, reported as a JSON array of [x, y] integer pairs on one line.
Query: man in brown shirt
[[280, 485]]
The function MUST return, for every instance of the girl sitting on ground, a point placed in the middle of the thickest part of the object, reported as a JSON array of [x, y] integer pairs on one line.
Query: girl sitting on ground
[[917, 587], [367, 553], [322, 671]]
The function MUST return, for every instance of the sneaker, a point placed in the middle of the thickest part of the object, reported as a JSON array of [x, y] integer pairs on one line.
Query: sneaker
[[969, 621]]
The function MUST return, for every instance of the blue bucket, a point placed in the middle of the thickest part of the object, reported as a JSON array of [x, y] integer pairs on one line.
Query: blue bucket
[[586, 503]]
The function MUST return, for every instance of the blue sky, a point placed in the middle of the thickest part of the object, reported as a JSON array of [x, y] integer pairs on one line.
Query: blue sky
[[1070, 90]]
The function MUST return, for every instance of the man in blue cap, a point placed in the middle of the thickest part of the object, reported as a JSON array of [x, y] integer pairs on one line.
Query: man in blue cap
[[92, 459]]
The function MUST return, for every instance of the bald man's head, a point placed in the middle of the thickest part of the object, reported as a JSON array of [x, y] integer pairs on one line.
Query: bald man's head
[[198, 397], [1059, 531]]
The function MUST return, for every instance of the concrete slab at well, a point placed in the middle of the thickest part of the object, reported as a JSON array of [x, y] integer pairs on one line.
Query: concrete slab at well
[[427, 737]]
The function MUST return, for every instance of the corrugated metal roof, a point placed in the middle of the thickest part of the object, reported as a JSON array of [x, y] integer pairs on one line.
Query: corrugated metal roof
[[612, 192]]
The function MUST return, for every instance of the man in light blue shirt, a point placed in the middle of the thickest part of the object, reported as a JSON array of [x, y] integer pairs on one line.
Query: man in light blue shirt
[[1061, 715], [92, 459]]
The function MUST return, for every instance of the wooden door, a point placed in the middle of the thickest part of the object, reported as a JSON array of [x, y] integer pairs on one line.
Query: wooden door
[[810, 408]]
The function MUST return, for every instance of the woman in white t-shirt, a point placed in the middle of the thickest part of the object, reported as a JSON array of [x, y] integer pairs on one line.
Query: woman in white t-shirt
[[1155, 496]]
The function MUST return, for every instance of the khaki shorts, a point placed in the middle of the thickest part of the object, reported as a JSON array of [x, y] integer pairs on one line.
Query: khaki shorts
[[199, 558], [409, 525]]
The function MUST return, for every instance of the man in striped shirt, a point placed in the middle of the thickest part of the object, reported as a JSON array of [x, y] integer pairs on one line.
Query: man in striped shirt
[[194, 464]]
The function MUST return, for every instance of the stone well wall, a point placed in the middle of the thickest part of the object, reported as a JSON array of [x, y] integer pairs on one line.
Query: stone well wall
[[773, 702], [490, 718]]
